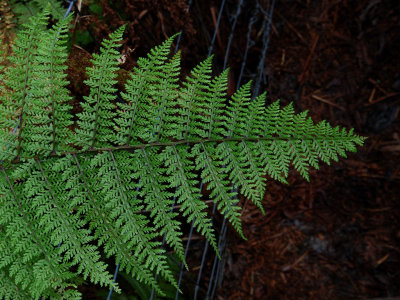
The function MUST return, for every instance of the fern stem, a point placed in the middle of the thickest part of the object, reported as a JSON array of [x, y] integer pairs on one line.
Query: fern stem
[[188, 142]]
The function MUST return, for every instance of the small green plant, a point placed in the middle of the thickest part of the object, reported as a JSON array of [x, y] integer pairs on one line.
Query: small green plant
[[25, 9], [76, 189]]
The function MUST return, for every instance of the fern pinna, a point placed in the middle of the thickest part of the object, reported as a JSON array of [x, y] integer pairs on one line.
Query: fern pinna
[[76, 191]]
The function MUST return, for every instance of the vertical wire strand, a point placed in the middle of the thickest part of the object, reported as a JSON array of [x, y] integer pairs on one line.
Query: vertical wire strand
[[215, 262], [221, 9], [250, 43], [71, 4], [266, 38], [235, 19], [172, 207], [117, 266], [219, 275], [187, 249], [203, 259], [182, 264], [114, 280], [216, 269], [162, 246]]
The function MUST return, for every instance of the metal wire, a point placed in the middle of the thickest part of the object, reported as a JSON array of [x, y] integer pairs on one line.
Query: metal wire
[[217, 265], [210, 49], [266, 39], [210, 283], [182, 264], [217, 268], [162, 246], [186, 250], [235, 18], [250, 43], [114, 280], [220, 263], [203, 259], [71, 4]]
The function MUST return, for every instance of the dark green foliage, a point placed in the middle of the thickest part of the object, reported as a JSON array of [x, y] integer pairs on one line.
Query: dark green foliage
[[72, 193], [26, 9], [95, 122]]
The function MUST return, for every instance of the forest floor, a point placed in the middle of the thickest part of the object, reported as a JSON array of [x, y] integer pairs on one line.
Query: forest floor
[[337, 236]]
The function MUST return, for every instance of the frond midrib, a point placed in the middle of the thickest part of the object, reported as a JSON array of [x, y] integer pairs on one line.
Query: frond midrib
[[187, 142]]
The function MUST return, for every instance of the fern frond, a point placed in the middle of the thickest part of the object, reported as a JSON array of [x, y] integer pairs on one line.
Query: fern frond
[[214, 118], [10, 290], [108, 186], [53, 6], [117, 236], [255, 119], [238, 175], [64, 228], [120, 197], [162, 92]]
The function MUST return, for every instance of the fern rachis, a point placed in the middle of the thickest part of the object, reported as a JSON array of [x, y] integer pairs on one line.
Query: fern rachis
[[70, 196]]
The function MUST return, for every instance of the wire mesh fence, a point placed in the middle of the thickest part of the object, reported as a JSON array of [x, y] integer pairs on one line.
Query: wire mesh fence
[[229, 13], [251, 19], [254, 19]]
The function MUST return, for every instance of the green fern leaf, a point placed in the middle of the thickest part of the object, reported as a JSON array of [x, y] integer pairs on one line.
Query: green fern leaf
[[132, 116], [181, 177], [72, 193], [236, 111], [18, 80], [95, 122], [193, 102]]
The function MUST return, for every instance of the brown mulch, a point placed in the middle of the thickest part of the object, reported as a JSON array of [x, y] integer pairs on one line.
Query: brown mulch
[[337, 237]]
